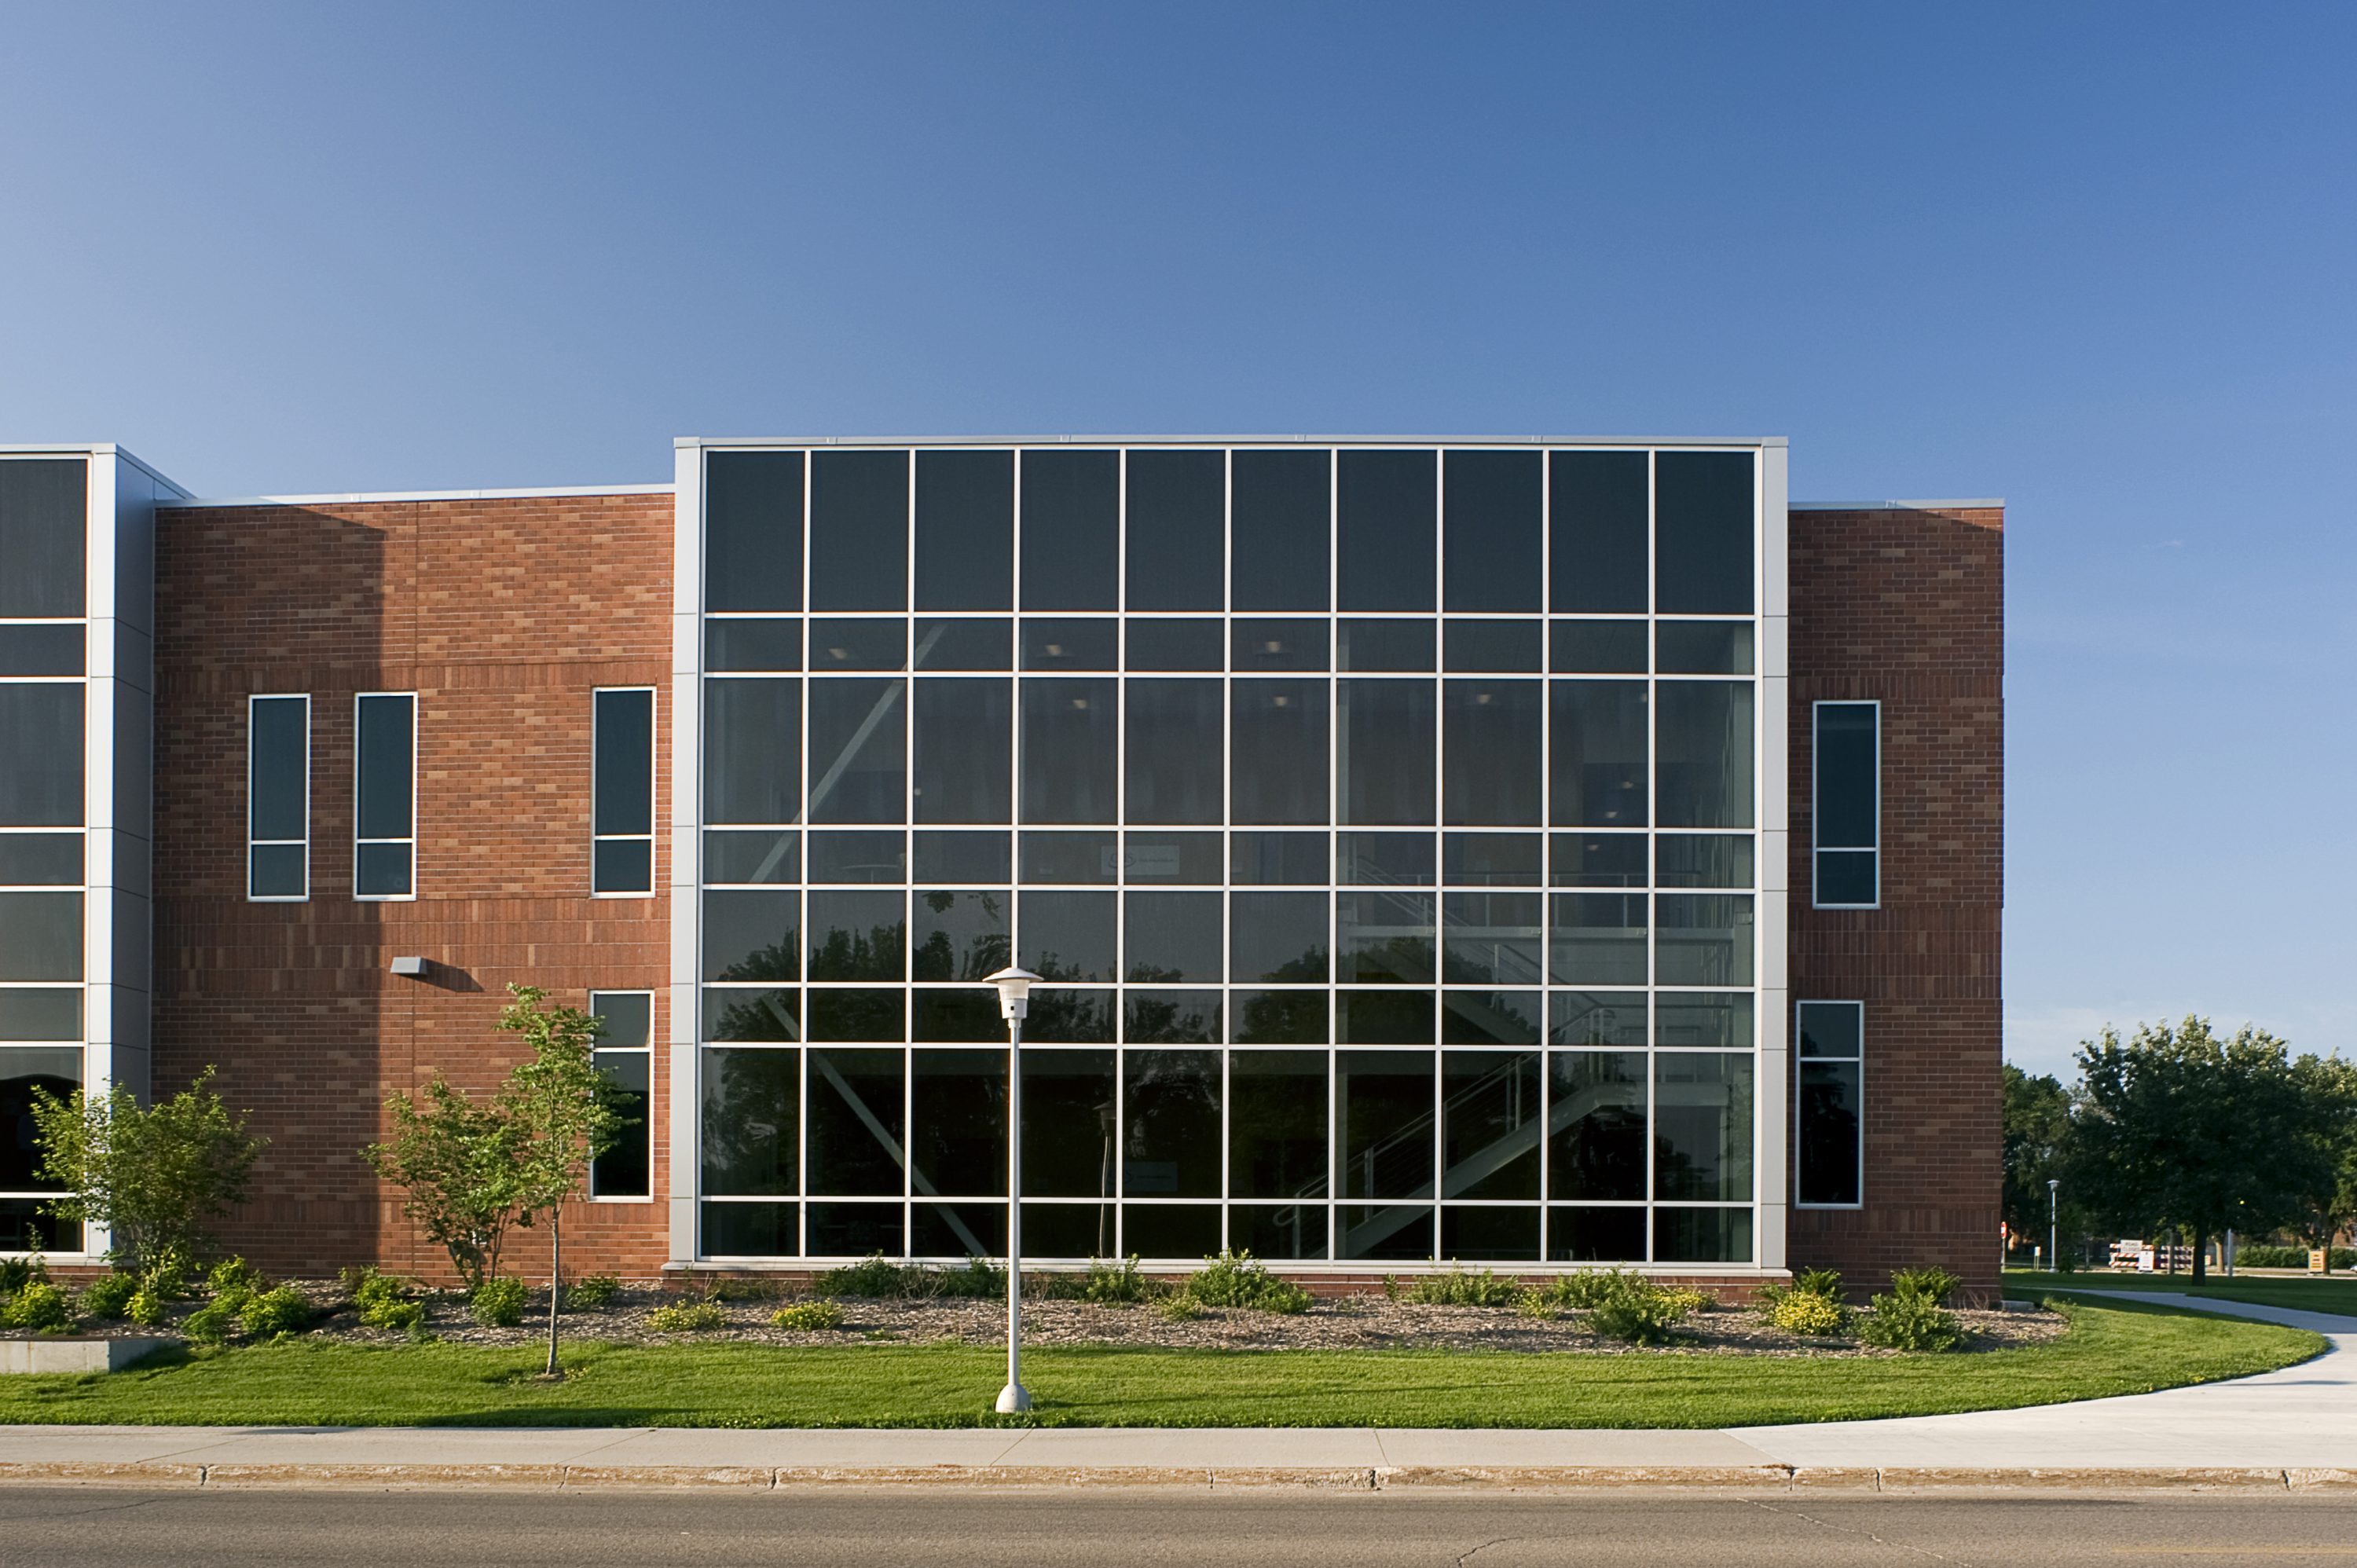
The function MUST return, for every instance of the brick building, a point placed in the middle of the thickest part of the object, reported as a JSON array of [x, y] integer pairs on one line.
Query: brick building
[[1537, 853]]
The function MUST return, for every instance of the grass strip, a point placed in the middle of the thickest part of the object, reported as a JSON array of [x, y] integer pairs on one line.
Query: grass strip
[[2114, 1348]]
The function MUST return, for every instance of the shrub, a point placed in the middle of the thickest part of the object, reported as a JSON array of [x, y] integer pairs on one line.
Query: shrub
[[147, 1309], [1826, 1282], [382, 1300], [498, 1304], [15, 1273], [166, 1274], [1578, 1292], [1116, 1285], [1910, 1317], [2258, 1255], [807, 1316], [873, 1275], [40, 1306], [236, 1273], [156, 1176], [592, 1291], [1177, 1307], [1535, 1304], [106, 1297], [1935, 1285], [1239, 1279], [284, 1310], [1819, 1285], [687, 1317], [977, 1277], [1628, 1305], [1806, 1311], [1458, 1288], [211, 1323]]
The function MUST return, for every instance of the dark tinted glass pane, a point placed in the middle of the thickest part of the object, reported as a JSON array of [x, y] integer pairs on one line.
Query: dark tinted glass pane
[[1072, 530], [854, 936], [626, 1018], [958, 1015], [965, 644], [1830, 1029], [1384, 860], [1702, 1235], [1383, 1115], [1831, 1110], [859, 758], [1499, 1235], [1846, 877], [964, 740], [1596, 1018], [1490, 752], [1597, 507], [965, 531], [1071, 1230], [1061, 1016], [1171, 1230], [1596, 939], [34, 859], [1383, 1018], [1704, 739], [1702, 537], [1068, 857], [1066, 936], [752, 751], [1702, 1126], [1282, 519], [1279, 937], [625, 783], [1491, 537], [959, 936], [1170, 858], [1597, 739], [965, 857], [1847, 789], [753, 934], [1385, 751], [1596, 647], [1176, 645], [855, 1230], [752, 1108], [1384, 645], [775, 1015], [1383, 938], [1069, 1130], [1491, 1125], [1171, 1017], [1295, 1230], [753, 531], [1706, 940], [30, 1014], [43, 504], [1507, 646], [1702, 1018], [1491, 1017], [1069, 742], [1061, 644], [1598, 860], [857, 1014], [753, 644], [616, 866], [1278, 762], [1703, 647], [1174, 758], [858, 532], [749, 1229], [957, 1131], [41, 650], [1388, 510], [958, 1230], [1276, 859], [1276, 1124], [1492, 938], [856, 857], [1172, 938], [1275, 646], [863, 644], [22, 1072], [1596, 1235], [386, 771], [626, 1170], [277, 801], [1703, 860], [1280, 1018], [1177, 530], [1491, 860], [382, 871], [1597, 1145]]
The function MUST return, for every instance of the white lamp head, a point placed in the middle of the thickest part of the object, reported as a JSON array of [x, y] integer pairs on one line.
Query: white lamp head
[[1014, 992]]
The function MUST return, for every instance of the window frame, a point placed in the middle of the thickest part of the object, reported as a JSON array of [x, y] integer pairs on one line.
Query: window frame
[[411, 841], [1816, 797], [647, 1129], [654, 747], [252, 842], [1800, 1063]]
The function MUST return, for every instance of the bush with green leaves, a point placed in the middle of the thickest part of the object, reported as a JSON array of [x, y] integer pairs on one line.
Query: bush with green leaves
[[284, 1310], [498, 1304], [688, 1317], [156, 1176], [1629, 1306], [807, 1317], [1912, 1316], [383, 1301], [1177, 1307], [874, 1276], [40, 1306], [1806, 1311], [1575, 1292], [234, 1274], [148, 1308], [593, 1290], [106, 1297], [1116, 1285], [212, 1323], [1457, 1288], [1239, 1279], [15, 1273]]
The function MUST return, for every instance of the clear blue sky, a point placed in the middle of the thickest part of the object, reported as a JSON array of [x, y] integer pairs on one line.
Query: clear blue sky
[[2099, 259]]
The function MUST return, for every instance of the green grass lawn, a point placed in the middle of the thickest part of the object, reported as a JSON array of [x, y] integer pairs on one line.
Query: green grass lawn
[[2111, 1350], [2335, 1293]]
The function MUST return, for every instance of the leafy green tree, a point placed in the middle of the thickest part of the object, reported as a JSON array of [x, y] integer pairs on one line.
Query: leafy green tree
[[156, 1176], [2036, 1131], [564, 1113], [2180, 1130], [2330, 1085], [458, 1162]]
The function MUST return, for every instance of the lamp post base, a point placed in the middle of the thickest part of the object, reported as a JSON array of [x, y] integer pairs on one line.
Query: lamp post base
[[1014, 1399]]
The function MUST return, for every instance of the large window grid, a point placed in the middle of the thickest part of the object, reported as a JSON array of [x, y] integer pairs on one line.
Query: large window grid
[[782, 871]]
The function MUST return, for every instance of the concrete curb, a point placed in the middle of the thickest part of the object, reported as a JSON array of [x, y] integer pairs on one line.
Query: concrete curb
[[1759, 1478]]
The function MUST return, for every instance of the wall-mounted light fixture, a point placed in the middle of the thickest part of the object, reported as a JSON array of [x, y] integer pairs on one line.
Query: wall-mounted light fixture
[[413, 967]]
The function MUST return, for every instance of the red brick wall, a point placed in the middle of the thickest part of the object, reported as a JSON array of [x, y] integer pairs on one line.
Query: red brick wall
[[1908, 607], [502, 615]]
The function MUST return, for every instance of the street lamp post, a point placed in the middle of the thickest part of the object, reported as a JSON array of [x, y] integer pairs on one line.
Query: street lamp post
[[1014, 1001], [2053, 1226]]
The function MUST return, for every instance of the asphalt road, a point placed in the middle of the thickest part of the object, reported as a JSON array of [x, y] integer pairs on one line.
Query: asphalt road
[[98, 1528]]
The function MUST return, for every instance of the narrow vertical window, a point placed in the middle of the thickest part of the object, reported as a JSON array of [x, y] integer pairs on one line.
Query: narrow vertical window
[[384, 776], [625, 1054], [278, 799], [1830, 1140], [1849, 816], [622, 792]]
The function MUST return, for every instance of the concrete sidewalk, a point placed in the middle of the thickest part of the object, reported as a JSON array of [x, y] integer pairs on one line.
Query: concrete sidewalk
[[2295, 1429]]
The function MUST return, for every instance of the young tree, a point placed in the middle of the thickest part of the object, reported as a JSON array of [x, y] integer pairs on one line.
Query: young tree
[[2329, 1083], [2179, 1129], [459, 1165], [157, 1177], [562, 1110], [2036, 1128]]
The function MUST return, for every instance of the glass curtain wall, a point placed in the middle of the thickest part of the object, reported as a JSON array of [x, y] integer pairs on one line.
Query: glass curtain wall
[[1383, 820]]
